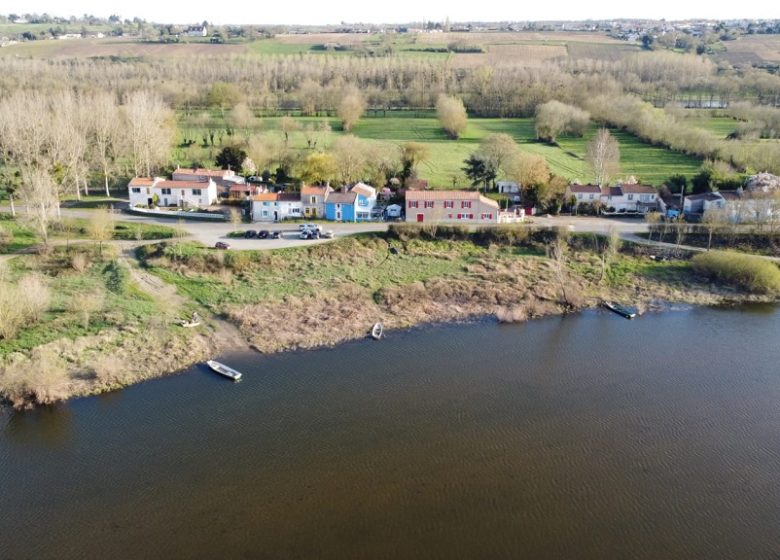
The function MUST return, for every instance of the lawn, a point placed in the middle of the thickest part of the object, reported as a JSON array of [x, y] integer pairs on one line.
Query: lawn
[[650, 164]]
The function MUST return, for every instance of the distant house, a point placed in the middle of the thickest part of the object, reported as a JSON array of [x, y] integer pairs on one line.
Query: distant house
[[737, 206], [313, 200], [629, 198], [197, 31], [509, 188], [275, 207], [244, 191], [340, 206], [146, 191], [583, 194], [450, 206]]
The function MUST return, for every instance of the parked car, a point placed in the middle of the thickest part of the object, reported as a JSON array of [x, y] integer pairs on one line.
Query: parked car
[[221, 245], [328, 234], [310, 227], [275, 234], [249, 234], [262, 233]]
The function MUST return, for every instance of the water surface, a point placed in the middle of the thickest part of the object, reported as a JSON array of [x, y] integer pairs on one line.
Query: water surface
[[580, 437]]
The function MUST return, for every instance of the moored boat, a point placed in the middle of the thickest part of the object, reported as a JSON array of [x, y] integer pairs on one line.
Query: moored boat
[[621, 310], [222, 369], [377, 331]]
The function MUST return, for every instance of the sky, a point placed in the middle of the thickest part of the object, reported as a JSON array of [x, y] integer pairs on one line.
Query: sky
[[320, 12]]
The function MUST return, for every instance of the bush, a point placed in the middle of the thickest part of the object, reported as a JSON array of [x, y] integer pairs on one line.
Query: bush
[[116, 277], [752, 274], [22, 304]]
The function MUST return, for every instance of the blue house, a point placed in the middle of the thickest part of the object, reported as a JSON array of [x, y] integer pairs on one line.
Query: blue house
[[353, 206], [340, 207]]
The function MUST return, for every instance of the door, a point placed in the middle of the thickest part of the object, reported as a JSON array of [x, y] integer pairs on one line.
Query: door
[[276, 216], [420, 217], [338, 215]]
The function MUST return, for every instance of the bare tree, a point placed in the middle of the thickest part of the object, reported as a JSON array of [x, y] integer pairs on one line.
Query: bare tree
[[241, 117], [105, 133], [350, 155], [452, 115], [100, 227], [149, 125], [603, 156], [558, 251], [235, 218], [351, 107], [554, 118], [713, 220], [40, 196]]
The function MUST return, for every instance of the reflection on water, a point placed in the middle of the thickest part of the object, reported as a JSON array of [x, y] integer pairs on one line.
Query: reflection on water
[[46, 426], [580, 437]]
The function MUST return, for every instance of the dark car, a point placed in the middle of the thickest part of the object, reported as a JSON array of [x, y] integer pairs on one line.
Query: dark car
[[250, 233], [221, 245], [275, 234], [262, 233]]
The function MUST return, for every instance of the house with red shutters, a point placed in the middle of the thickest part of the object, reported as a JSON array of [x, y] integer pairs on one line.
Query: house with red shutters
[[468, 207]]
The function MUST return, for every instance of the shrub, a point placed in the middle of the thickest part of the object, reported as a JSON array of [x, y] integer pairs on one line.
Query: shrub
[[116, 277], [22, 304], [752, 274], [79, 262]]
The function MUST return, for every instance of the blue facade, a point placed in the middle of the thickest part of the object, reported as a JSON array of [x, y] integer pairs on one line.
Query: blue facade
[[339, 212]]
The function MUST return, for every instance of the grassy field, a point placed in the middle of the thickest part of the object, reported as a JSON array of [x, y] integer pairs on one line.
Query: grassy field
[[752, 49], [443, 169]]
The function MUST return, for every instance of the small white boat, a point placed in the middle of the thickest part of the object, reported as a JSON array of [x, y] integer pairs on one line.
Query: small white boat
[[222, 369], [377, 331]]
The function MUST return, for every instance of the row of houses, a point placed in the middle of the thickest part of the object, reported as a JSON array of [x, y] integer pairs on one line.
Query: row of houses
[[626, 198]]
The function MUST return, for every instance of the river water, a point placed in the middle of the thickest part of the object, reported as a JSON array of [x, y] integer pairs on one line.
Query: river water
[[587, 436]]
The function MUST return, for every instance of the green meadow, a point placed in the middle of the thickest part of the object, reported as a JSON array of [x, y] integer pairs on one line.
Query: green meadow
[[649, 164]]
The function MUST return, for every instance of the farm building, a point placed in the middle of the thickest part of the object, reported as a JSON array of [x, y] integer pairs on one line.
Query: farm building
[[450, 206]]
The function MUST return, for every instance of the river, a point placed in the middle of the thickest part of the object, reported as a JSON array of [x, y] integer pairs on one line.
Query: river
[[586, 436]]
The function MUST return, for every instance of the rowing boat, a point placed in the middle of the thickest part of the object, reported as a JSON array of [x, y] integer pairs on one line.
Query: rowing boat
[[377, 331], [222, 369], [621, 310]]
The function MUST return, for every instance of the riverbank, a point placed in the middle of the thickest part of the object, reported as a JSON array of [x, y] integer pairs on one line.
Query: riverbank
[[309, 297]]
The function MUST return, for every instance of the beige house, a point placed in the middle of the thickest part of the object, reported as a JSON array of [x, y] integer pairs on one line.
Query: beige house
[[313, 200], [468, 207], [224, 178]]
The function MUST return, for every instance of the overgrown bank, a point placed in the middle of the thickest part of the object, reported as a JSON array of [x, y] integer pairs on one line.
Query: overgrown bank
[[325, 294]]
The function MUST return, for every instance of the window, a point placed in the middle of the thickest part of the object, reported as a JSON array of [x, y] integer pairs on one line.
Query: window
[[484, 216], [362, 215], [413, 204], [579, 196], [630, 197], [590, 197], [136, 190], [166, 191], [196, 192], [295, 210], [265, 213], [449, 204], [362, 201], [449, 216], [312, 200], [429, 204], [465, 204]]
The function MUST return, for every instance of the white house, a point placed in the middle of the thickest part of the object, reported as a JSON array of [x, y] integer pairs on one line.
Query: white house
[[224, 178], [145, 191], [197, 31], [629, 198], [275, 207], [738, 206], [366, 201], [509, 188], [583, 194]]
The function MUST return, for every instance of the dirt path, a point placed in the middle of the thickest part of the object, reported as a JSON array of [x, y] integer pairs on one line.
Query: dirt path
[[222, 333]]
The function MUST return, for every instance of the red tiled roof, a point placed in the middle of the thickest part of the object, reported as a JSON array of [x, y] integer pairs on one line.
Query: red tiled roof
[[141, 182], [277, 197], [364, 189], [167, 184], [206, 172], [314, 189], [442, 195], [584, 189], [632, 188]]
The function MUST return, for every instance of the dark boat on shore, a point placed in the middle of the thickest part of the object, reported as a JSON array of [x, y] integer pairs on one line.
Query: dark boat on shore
[[621, 310]]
